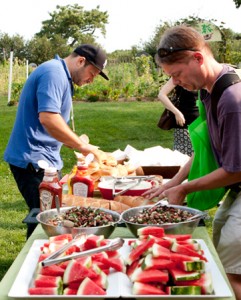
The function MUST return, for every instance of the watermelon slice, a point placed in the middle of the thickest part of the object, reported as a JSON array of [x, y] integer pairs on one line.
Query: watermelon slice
[[164, 242], [93, 241], [53, 270], [130, 268], [182, 249], [56, 245], [140, 288], [74, 285], [179, 275], [205, 282], [179, 237], [149, 276], [69, 291], [151, 230], [76, 272], [156, 263], [48, 281], [139, 250], [191, 265], [181, 257], [160, 251], [45, 291], [183, 290], [60, 237], [89, 287], [101, 280], [192, 246], [85, 261]]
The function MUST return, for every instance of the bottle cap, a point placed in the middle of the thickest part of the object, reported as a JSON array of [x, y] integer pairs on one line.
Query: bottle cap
[[81, 164], [51, 170]]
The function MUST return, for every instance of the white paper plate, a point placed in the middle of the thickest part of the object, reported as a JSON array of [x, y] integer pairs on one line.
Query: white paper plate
[[119, 284]]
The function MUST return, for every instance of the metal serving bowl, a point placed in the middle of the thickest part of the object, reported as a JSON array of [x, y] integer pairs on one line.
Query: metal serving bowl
[[51, 230], [185, 227]]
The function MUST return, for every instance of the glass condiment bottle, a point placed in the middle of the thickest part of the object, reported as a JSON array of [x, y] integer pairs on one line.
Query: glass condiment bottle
[[71, 175], [81, 183], [49, 188]]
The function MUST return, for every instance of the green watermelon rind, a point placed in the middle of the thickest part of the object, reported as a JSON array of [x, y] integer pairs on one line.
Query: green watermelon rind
[[182, 275], [184, 290], [193, 265]]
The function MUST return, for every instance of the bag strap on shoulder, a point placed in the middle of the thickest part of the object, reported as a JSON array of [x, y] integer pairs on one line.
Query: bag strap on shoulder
[[221, 84]]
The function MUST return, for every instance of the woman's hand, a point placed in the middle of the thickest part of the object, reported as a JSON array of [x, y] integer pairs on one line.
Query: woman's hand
[[180, 120]]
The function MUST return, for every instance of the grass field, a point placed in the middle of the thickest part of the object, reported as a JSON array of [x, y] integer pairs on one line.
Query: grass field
[[110, 125]]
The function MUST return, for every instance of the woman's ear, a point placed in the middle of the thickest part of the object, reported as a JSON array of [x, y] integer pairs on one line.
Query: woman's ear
[[198, 57]]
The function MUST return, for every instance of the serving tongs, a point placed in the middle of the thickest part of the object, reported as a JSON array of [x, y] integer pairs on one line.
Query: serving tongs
[[135, 179], [114, 244]]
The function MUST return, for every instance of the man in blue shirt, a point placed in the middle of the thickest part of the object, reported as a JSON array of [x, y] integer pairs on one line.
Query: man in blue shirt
[[41, 125]]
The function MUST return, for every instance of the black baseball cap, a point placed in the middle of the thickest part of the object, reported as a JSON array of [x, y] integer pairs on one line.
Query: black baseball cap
[[94, 55]]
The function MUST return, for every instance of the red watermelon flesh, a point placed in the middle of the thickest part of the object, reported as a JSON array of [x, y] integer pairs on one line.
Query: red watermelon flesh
[[140, 288], [75, 271], [164, 242], [64, 264], [48, 281], [53, 270], [139, 250], [85, 261], [60, 237], [93, 241], [160, 251], [182, 257], [74, 285], [44, 291], [43, 256], [69, 291], [101, 279], [89, 287], [149, 276], [156, 263], [179, 237], [151, 230], [116, 263], [182, 249], [72, 249], [205, 282], [130, 268], [56, 245], [113, 254], [180, 275]]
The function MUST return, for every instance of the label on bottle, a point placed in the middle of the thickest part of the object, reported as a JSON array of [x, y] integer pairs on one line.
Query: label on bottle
[[80, 189], [46, 199]]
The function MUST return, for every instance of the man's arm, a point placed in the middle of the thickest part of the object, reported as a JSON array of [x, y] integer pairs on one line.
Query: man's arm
[[59, 129]]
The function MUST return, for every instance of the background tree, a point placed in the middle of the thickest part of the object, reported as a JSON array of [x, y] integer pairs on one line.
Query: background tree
[[237, 3], [74, 25], [15, 43]]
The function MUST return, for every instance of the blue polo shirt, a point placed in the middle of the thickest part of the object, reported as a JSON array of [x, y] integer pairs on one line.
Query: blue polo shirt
[[48, 89]]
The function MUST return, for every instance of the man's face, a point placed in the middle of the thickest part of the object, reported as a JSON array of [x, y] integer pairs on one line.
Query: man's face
[[186, 74], [84, 74]]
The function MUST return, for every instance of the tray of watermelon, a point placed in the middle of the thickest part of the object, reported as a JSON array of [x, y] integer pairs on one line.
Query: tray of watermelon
[[156, 265]]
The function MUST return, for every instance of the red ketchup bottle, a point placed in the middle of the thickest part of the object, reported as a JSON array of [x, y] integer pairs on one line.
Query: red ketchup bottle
[[49, 188], [81, 183]]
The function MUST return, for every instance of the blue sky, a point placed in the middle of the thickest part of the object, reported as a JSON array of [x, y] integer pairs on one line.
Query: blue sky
[[130, 21]]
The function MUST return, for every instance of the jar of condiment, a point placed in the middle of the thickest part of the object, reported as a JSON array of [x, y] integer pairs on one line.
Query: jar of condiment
[[49, 188], [81, 183]]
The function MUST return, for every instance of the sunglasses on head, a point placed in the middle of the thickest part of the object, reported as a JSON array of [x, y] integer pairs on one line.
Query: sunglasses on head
[[163, 52]]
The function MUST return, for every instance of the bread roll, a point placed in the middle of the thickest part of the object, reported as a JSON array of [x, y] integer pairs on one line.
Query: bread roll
[[133, 201], [118, 207]]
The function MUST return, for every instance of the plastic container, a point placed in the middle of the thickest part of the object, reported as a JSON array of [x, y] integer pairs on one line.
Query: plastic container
[[49, 188], [81, 183]]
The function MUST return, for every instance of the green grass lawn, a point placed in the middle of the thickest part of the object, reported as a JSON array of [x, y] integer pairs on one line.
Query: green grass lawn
[[110, 125]]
